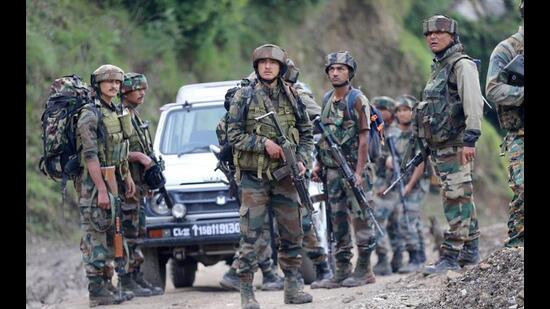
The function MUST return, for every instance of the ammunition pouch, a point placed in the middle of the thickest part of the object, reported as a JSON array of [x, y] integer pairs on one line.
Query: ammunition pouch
[[126, 124]]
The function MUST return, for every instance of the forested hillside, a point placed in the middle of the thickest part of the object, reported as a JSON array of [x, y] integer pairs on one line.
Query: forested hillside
[[180, 42]]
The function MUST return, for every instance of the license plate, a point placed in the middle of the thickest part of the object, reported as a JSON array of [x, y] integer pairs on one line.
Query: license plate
[[201, 230]]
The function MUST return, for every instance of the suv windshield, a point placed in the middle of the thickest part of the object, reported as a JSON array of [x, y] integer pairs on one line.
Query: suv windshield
[[191, 130]]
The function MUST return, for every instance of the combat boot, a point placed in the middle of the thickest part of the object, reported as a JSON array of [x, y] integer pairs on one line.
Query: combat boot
[[448, 261], [363, 272], [382, 267], [469, 255], [99, 294], [396, 260], [293, 293], [271, 281], [248, 301], [343, 271], [129, 284], [231, 280], [139, 279], [414, 263], [128, 295], [324, 274]]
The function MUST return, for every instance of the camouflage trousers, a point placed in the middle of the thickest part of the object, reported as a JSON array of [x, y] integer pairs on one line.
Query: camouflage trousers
[[133, 229], [412, 233], [256, 195], [388, 213], [515, 151], [339, 200], [457, 196]]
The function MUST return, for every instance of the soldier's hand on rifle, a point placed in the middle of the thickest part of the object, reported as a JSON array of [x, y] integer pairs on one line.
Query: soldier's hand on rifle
[[315, 173], [130, 186], [466, 155], [273, 150], [381, 191], [103, 200], [358, 179], [302, 168], [407, 190]]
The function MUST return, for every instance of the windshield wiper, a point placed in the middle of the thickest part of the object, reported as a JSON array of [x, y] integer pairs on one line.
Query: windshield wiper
[[194, 149]]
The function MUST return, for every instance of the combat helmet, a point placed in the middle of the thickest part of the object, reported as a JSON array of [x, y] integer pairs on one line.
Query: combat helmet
[[292, 72], [405, 100], [384, 102], [440, 23], [106, 72], [133, 81], [270, 51], [341, 57]]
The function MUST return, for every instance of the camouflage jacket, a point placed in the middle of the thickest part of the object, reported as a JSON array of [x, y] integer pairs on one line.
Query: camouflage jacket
[[383, 179], [507, 98], [248, 137], [140, 141]]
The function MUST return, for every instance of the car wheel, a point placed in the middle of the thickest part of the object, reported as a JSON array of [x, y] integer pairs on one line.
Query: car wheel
[[183, 272]]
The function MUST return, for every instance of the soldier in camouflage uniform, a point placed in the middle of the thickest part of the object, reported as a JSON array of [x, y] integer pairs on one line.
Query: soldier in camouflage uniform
[[509, 102], [388, 208], [414, 192], [448, 122], [257, 157], [133, 212], [104, 142], [351, 133]]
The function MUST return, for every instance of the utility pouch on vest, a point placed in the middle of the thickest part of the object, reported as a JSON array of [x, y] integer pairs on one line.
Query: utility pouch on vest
[[126, 124], [281, 173]]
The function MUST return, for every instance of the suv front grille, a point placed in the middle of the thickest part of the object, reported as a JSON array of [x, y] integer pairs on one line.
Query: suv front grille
[[202, 202]]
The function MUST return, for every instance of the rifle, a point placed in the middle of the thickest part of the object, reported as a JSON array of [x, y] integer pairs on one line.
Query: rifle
[[109, 177], [348, 174], [397, 173], [292, 163], [512, 73], [228, 171], [410, 166], [331, 240]]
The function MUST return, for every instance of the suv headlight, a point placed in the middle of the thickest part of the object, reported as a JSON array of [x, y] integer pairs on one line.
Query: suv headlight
[[158, 205], [179, 211]]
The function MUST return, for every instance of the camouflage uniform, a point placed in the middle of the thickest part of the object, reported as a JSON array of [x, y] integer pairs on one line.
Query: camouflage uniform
[[254, 168], [447, 119], [509, 102]]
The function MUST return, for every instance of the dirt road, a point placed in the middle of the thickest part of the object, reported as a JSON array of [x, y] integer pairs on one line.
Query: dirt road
[[55, 279]]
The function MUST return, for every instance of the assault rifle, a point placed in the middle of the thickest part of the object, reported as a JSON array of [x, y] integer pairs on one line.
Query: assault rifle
[[349, 175], [397, 174], [512, 73], [109, 177], [410, 166], [228, 171]]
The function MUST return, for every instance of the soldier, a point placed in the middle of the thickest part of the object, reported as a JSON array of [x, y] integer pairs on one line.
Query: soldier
[[351, 132], [103, 139], [448, 123], [133, 92], [509, 102], [257, 158], [413, 191], [388, 208]]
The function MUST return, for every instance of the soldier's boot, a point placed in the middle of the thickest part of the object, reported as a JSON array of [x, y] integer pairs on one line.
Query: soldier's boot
[[99, 294], [414, 263], [138, 277], [447, 261], [129, 284], [343, 271], [128, 295], [396, 260], [324, 274], [248, 301], [301, 282], [271, 281], [469, 255], [363, 272], [231, 280], [382, 267], [293, 293], [421, 252]]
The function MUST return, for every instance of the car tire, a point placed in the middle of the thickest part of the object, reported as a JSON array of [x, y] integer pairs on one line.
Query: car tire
[[183, 272], [154, 267], [307, 269]]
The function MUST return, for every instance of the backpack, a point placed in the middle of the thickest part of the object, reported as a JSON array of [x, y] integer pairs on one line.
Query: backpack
[[60, 159], [376, 135]]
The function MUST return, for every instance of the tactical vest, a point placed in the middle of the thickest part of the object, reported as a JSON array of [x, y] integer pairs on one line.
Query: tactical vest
[[344, 130], [511, 117], [140, 141], [256, 106], [440, 116]]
